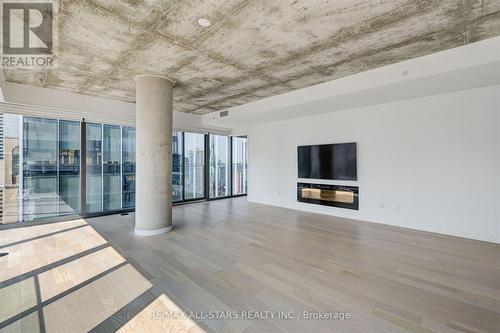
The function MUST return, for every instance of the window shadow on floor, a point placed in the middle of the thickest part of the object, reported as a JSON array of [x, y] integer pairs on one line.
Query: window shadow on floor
[[65, 277]]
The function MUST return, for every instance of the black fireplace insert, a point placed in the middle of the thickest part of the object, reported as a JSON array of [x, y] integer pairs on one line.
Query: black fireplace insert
[[329, 195]]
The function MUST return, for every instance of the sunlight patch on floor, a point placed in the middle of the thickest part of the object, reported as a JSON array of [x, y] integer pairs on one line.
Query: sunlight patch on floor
[[16, 298], [64, 277], [19, 234], [29, 256], [88, 306], [69, 273], [28, 323]]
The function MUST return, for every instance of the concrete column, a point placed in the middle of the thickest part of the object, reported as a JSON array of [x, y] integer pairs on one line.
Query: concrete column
[[153, 212]]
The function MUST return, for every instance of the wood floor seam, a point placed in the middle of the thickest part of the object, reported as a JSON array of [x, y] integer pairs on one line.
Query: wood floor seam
[[51, 266], [41, 236], [41, 304]]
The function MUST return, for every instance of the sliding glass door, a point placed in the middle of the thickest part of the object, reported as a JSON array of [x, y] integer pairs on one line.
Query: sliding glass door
[[112, 189], [194, 166], [40, 184], [94, 168], [219, 181], [111, 166], [69, 167]]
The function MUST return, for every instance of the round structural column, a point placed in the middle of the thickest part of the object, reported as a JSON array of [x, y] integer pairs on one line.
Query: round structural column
[[153, 212]]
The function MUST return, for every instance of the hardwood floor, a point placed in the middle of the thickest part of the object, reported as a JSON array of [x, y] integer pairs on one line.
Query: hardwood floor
[[238, 260]]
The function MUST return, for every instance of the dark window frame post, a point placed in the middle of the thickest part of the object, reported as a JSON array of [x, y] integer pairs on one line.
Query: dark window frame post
[[83, 168], [183, 166], [231, 192], [207, 166]]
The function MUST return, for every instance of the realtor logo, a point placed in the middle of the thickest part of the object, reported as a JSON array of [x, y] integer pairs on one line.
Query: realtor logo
[[28, 34]]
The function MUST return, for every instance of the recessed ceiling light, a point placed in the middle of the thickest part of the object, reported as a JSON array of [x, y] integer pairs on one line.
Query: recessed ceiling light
[[204, 22]]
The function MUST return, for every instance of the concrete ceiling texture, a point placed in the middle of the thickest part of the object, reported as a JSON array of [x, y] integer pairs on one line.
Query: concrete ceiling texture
[[253, 49]]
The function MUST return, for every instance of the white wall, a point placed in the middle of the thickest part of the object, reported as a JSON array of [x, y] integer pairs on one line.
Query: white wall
[[430, 164]]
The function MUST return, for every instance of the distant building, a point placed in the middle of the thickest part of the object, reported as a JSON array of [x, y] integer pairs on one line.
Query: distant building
[[9, 181], [1, 136]]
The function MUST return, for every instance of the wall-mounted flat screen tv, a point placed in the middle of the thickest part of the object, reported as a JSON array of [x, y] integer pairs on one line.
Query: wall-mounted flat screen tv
[[332, 161]]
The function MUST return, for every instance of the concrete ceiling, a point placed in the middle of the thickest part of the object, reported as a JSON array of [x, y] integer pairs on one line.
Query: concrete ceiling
[[254, 48]]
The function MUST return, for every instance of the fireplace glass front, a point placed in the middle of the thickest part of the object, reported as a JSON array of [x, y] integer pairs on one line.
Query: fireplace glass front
[[329, 195]]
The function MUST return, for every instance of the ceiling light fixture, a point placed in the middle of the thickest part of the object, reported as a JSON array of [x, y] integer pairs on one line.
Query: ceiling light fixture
[[204, 22]]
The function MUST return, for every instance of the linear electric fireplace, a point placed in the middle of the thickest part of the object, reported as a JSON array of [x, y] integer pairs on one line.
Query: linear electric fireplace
[[329, 195]]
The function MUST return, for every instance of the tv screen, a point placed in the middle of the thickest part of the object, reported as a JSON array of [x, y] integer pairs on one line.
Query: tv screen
[[333, 161]]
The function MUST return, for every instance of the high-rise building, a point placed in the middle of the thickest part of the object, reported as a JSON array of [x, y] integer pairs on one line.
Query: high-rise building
[[1, 136], [9, 169], [177, 166]]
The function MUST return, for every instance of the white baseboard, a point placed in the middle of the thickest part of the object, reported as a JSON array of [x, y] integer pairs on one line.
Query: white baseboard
[[140, 232]]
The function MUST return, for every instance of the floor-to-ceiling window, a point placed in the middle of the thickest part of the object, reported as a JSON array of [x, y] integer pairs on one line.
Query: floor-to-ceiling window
[[110, 168], [239, 168], [194, 166], [40, 184], [112, 190], [94, 168], [69, 167], [128, 166], [40, 168], [216, 161], [177, 174], [219, 181]]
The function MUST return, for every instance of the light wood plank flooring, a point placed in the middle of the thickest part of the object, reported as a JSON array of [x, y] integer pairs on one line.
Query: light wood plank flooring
[[233, 260]]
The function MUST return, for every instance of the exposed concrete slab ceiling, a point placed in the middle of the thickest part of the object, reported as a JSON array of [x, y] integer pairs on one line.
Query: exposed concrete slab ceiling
[[254, 48]]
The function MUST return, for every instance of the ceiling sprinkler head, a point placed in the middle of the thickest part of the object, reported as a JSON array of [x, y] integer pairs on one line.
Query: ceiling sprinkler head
[[204, 22]]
